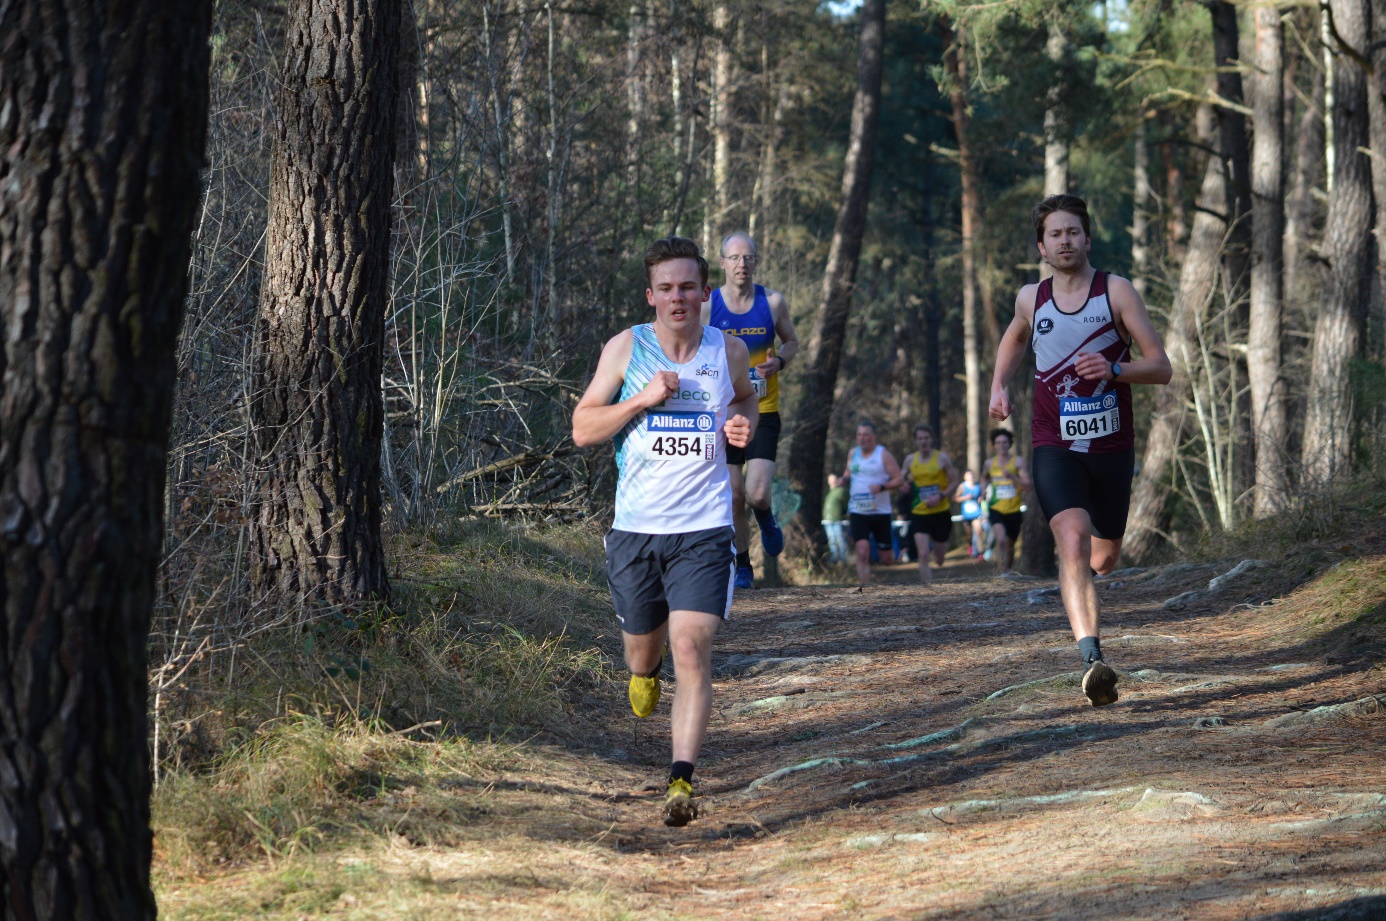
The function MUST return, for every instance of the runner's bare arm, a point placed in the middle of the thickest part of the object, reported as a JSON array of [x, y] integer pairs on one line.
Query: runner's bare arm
[[954, 481], [1133, 320], [1022, 470], [985, 479], [1010, 351], [892, 468], [743, 415], [784, 329], [596, 418], [905, 465]]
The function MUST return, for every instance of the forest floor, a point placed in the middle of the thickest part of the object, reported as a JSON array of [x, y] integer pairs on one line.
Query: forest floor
[[926, 753]]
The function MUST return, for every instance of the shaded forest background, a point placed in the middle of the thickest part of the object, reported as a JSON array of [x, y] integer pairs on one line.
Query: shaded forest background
[[542, 146]]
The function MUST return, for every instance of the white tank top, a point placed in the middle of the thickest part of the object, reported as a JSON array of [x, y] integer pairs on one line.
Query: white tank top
[[866, 471], [671, 461]]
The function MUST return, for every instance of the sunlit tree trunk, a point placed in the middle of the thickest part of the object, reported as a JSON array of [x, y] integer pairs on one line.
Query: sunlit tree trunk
[[825, 349], [317, 406], [1149, 516], [1268, 221], [103, 120], [955, 58], [1141, 200], [1376, 108], [1056, 142], [721, 122], [1347, 246]]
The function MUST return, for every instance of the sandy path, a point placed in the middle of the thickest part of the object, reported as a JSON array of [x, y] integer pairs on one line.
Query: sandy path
[[861, 763]]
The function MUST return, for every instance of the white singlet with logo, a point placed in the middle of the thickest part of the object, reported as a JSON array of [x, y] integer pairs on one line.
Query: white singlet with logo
[[867, 471], [671, 461]]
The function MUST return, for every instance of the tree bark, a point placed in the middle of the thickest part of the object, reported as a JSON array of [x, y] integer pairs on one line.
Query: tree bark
[[1376, 121], [1347, 246], [1233, 144], [825, 351], [1198, 277], [721, 122], [955, 58], [1309, 161], [1267, 270], [1140, 211], [1056, 145], [317, 407], [104, 127]]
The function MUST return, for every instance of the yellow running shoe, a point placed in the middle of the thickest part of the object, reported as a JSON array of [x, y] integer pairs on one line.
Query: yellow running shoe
[[644, 694], [679, 808]]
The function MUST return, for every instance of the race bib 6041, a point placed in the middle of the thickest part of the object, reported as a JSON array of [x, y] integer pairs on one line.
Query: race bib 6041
[[1088, 417], [681, 436]]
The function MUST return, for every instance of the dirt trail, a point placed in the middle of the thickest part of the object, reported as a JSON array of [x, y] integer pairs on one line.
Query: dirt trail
[[909, 752], [925, 753]]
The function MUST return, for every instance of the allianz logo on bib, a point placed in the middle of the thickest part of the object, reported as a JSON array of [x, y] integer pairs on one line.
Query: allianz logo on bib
[[1087, 404], [680, 422]]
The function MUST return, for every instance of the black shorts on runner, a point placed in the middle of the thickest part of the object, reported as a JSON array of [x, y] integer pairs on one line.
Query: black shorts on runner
[[1011, 521], [763, 444], [867, 527], [938, 525], [653, 574], [1100, 484]]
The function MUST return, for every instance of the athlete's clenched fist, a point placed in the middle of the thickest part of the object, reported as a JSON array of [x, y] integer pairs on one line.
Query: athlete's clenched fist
[[1000, 408], [661, 387], [738, 431]]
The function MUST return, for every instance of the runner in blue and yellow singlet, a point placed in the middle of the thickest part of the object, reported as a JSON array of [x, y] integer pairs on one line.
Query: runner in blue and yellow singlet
[[756, 316], [930, 479]]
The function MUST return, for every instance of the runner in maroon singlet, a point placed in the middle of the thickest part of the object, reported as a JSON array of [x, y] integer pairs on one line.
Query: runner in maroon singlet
[[1081, 323]]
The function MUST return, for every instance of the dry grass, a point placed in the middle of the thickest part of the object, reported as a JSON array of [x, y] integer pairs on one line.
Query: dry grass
[[308, 740]]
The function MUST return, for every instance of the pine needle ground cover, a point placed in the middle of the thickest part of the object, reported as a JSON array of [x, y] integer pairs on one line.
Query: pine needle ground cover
[[903, 752]]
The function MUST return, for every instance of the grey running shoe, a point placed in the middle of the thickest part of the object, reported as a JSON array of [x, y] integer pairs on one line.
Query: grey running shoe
[[1099, 684]]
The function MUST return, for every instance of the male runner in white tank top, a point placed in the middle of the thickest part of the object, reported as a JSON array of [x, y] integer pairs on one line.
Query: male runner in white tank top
[[673, 394], [1081, 324]]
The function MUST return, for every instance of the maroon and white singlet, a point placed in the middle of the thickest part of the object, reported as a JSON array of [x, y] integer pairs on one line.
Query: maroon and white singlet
[[1090, 417]]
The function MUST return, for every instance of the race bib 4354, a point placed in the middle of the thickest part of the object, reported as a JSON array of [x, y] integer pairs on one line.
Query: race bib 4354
[[687, 437], [1088, 417]]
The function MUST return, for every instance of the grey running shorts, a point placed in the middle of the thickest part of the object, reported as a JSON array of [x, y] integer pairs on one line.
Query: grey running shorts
[[653, 574]]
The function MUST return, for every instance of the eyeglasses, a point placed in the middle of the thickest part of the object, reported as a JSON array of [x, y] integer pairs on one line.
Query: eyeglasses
[[746, 259]]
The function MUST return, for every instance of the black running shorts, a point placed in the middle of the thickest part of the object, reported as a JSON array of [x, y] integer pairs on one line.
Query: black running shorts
[[1011, 521], [1100, 484], [866, 527], [938, 525], [653, 574], [763, 444]]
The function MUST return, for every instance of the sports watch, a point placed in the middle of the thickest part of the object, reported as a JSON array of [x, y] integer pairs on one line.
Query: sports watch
[[1116, 370]]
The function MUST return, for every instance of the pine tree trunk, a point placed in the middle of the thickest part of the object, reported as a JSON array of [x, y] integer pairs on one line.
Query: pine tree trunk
[[1198, 278], [317, 406], [721, 122], [1376, 108], [1309, 150], [1055, 125], [1347, 246], [825, 351], [955, 58], [104, 127], [1267, 271], [1141, 200], [1233, 143]]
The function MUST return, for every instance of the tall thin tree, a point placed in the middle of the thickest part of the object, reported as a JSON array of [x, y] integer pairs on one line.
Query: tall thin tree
[[1347, 245], [974, 407], [104, 126], [825, 350], [1267, 269], [317, 406]]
